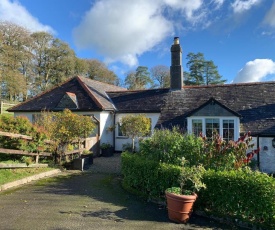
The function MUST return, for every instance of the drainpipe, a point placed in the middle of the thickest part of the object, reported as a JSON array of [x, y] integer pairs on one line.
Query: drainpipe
[[258, 155], [114, 133]]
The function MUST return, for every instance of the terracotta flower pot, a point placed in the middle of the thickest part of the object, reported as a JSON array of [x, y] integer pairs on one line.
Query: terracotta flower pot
[[180, 206]]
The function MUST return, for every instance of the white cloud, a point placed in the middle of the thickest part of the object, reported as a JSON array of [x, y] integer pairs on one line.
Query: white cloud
[[255, 71], [187, 6], [122, 32], [14, 12], [270, 16], [240, 6]]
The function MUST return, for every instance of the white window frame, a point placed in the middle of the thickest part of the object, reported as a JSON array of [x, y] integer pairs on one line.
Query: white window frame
[[203, 118]]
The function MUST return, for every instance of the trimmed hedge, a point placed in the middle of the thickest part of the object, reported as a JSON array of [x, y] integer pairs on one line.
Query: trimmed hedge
[[245, 195], [147, 178], [238, 194]]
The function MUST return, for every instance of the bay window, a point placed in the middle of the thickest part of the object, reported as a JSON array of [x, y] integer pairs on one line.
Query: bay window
[[227, 127]]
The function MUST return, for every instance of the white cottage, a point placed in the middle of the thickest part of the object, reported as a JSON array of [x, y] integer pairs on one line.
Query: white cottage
[[232, 109]]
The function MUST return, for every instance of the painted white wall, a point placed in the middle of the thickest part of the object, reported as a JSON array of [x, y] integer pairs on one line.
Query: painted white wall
[[24, 114], [120, 141], [267, 157], [106, 121]]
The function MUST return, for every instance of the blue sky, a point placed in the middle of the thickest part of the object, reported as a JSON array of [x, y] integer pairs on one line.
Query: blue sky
[[238, 35]]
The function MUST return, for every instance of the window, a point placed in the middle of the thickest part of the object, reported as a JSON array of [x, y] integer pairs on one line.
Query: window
[[119, 132], [228, 130], [196, 126], [36, 117], [226, 127], [212, 125]]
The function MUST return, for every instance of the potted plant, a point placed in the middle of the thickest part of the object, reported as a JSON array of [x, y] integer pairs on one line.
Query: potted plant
[[180, 200], [107, 150], [88, 155]]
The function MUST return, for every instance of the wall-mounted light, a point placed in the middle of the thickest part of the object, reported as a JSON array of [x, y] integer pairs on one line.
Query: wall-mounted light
[[273, 142]]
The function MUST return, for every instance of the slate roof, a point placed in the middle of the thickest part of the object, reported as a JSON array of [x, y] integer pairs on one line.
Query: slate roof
[[139, 101], [91, 96], [253, 102]]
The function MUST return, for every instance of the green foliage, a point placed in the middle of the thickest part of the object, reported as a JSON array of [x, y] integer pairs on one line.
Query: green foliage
[[27, 160], [146, 177], [21, 125], [105, 146], [9, 175], [169, 146], [190, 179], [242, 194], [135, 126], [246, 195], [64, 128], [219, 154], [202, 72], [138, 79]]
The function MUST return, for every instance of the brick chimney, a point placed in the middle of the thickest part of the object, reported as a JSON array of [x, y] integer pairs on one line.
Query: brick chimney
[[176, 71]]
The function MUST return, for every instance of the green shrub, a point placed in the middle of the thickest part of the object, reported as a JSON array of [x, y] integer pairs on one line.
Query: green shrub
[[240, 194], [21, 125], [169, 146], [148, 178]]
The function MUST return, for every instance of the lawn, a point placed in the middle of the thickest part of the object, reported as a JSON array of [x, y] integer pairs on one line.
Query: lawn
[[9, 175]]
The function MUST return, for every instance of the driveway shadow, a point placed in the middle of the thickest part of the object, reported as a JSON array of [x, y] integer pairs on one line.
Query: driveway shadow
[[107, 200]]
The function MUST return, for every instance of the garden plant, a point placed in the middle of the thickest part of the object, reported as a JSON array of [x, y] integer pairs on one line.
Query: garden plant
[[233, 191]]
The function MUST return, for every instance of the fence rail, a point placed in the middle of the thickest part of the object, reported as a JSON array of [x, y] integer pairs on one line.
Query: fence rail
[[4, 106], [36, 154]]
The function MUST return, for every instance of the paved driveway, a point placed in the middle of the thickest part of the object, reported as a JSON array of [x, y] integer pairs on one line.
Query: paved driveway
[[85, 200]]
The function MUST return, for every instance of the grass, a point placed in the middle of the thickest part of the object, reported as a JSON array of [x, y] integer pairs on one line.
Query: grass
[[9, 175]]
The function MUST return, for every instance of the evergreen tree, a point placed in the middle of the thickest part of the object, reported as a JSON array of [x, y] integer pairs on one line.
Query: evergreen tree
[[201, 71], [139, 79]]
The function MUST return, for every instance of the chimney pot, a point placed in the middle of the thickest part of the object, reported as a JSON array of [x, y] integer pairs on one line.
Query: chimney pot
[[176, 40]]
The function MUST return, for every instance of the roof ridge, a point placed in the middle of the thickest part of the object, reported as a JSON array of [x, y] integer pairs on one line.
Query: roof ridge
[[90, 93], [101, 82], [228, 85]]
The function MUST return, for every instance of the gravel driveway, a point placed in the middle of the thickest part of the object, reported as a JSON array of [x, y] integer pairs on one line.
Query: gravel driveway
[[92, 199]]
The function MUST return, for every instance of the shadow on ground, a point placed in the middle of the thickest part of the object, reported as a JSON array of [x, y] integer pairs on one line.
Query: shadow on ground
[[109, 202]]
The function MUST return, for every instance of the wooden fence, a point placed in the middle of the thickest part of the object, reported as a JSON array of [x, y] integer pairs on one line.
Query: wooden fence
[[4, 106], [26, 153]]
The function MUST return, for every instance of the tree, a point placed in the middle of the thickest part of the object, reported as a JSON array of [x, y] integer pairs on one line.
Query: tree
[[98, 71], [211, 74], [15, 58], [196, 66], [161, 74], [65, 127], [53, 61], [202, 72], [138, 79], [134, 126]]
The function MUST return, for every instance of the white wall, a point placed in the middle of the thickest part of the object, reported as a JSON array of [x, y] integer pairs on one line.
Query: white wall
[[106, 120], [24, 114], [120, 141], [267, 157]]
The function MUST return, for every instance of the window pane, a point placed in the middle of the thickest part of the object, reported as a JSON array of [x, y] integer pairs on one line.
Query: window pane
[[212, 125], [119, 130], [196, 126], [228, 130]]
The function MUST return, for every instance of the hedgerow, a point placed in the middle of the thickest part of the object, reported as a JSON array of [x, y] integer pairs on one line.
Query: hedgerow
[[243, 195]]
